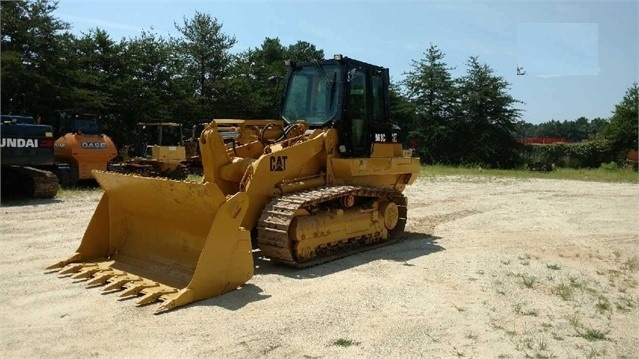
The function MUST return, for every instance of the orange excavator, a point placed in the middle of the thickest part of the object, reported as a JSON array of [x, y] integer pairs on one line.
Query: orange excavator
[[82, 145]]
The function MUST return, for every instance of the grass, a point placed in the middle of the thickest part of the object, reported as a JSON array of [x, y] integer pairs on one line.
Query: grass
[[574, 320], [632, 264], [566, 292], [460, 309], [194, 178], [519, 309], [594, 353], [625, 303], [553, 266], [575, 282], [73, 190], [342, 342], [598, 175], [592, 335], [603, 305], [528, 281]]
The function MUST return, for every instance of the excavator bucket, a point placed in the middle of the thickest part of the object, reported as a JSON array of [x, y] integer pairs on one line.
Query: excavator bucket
[[164, 240]]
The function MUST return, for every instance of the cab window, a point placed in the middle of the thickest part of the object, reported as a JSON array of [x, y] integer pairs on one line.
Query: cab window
[[357, 110]]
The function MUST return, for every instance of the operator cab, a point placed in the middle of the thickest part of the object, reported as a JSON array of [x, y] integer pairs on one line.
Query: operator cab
[[157, 134], [77, 121], [342, 93], [23, 120]]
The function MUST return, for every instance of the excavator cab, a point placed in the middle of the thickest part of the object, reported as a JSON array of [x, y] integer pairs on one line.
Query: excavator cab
[[77, 121], [342, 93]]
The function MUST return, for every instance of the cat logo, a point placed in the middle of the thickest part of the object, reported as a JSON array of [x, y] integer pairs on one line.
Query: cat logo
[[278, 163]]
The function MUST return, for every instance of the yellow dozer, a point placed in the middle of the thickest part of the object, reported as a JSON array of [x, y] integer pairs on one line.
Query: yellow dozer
[[164, 155], [328, 186]]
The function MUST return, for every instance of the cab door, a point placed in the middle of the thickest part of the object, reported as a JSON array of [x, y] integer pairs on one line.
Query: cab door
[[359, 114], [367, 109]]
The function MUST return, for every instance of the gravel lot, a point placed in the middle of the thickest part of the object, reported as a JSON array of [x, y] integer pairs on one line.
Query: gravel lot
[[488, 268]]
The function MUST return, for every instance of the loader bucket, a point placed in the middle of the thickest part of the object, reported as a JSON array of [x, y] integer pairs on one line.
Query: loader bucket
[[170, 241]]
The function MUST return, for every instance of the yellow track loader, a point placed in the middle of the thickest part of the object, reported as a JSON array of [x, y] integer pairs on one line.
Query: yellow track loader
[[327, 185], [159, 151]]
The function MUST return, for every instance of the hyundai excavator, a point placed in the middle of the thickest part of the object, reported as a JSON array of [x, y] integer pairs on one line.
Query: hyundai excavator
[[28, 166], [328, 185]]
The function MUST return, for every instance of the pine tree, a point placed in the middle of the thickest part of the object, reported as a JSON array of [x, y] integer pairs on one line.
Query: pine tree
[[431, 89], [488, 118]]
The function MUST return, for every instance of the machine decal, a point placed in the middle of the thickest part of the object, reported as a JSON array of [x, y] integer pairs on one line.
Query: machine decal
[[94, 145], [46, 143], [380, 137], [278, 163], [18, 142]]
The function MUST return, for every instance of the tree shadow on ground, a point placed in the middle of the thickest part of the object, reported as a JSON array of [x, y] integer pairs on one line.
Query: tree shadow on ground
[[18, 201], [410, 246]]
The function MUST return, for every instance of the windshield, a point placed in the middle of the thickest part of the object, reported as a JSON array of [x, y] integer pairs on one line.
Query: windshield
[[80, 122], [89, 126], [311, 94]]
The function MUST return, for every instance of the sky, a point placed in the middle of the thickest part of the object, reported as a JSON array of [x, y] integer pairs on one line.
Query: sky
[[578, 57]]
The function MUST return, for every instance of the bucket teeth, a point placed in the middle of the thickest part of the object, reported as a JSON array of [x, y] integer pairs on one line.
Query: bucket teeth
[[136, 288], [118, 283], [85, 273], [72, 269], [154, 294], [166, 306], [100, 278], [59, 265]]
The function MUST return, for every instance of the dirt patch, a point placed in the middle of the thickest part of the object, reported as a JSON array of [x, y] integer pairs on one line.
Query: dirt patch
[[488, 268]]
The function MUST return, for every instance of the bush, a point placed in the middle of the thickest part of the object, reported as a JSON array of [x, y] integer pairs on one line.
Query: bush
[[610, 166], [575, 155]]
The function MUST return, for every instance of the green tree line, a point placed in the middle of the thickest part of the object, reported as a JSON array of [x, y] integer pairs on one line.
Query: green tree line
[[190, 78], [194, 77], [472, 120]]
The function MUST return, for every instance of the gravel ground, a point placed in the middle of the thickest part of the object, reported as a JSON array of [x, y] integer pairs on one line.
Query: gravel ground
[[488, 268]]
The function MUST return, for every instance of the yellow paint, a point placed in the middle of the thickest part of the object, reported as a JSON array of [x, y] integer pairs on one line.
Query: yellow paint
[[179, 242]]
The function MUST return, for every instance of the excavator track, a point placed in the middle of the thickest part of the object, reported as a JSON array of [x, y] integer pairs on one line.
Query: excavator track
[[34, 182], [45, 183], [273, 234]]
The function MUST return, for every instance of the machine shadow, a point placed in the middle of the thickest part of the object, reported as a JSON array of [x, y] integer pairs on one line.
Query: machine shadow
[[233, 300], [412, 245], [16, 201]]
